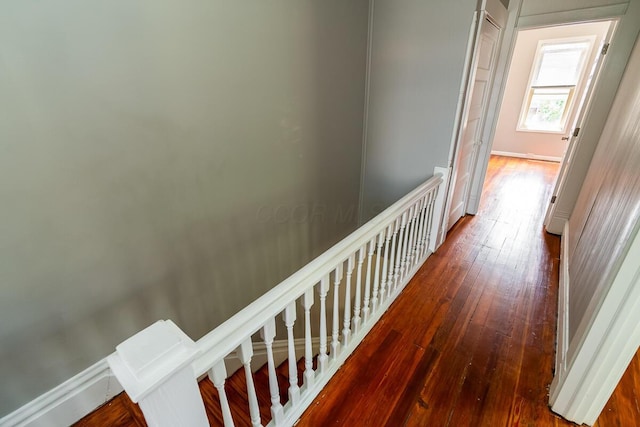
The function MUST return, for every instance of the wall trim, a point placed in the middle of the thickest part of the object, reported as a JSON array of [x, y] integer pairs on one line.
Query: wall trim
[[365, 116], [70, 401], [83, 393], [571, 16], [529, 156], [607, 345], [562, 332]]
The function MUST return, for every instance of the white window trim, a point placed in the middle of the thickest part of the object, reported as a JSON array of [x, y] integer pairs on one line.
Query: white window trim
[[572, 97]]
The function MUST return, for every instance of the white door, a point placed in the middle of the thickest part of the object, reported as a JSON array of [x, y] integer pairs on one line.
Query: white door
[[552, 224], [485, 58]]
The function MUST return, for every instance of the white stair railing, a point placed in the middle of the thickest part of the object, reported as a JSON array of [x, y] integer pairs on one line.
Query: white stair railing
[[159, 367]]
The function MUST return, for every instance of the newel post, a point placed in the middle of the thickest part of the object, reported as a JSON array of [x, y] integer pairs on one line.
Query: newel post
[[154, 368], [438, 232]]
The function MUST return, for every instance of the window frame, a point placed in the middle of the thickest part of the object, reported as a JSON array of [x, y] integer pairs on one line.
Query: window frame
[[531, 88]]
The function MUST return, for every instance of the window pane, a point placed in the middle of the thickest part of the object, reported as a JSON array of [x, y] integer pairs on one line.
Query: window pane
[[546, 109], [560, 64]]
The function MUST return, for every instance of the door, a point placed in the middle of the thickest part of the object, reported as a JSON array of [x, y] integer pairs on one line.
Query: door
[[484, 64], [557, 225]]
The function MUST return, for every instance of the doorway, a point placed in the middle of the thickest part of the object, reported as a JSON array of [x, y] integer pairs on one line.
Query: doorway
[[483, 66], [527, 85], [551, 70]]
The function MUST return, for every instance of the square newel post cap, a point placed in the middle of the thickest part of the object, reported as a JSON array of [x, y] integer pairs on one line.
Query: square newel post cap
[[150, 357]]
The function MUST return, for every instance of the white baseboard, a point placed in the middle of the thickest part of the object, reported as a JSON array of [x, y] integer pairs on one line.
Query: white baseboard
[[562, 333], [96, 385], [68, 402], [530, 156]]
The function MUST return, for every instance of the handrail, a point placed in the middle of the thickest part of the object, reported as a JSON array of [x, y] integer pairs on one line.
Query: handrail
[[356, 280], [273, 302]]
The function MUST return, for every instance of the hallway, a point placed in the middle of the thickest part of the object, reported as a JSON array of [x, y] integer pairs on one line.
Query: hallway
[[471, 340]]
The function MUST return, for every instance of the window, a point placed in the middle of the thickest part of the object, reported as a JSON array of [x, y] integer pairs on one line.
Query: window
[[558, 67]]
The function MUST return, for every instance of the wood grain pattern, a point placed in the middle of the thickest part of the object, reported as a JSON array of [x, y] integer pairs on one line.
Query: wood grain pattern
[[476, 326], [469, 343]]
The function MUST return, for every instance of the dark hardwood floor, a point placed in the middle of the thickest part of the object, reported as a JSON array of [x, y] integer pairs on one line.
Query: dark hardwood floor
[[470, 342]]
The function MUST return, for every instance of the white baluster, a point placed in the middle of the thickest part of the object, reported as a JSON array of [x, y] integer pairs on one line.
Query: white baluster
[[405, 245], [268, 333], [323, 289], [289, 316], [385, 264], [425, 225], [218, 375], [391, 259], [335, 343], [346, 331], [356, 308], [396, 275], [430, 220], [309, 374], [376, 279], [413, 226], [245, 353], [367, 286], [412, 236], [420, 219]]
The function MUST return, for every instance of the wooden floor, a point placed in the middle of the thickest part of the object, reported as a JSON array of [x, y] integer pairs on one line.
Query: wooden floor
[[470, 342]]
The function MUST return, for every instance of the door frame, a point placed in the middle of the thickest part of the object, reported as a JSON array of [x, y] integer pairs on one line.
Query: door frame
[[575, 133], [582, 391], [497, 14]]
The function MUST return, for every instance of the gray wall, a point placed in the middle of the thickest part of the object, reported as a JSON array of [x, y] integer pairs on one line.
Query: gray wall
[[607, 211], [417, 60], [165, 160]]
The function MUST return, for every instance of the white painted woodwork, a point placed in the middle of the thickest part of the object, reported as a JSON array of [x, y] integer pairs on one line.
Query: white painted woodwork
[[592, 124], [508, 34], [218, 375], [376, 278], [423, 230], [346, 330], [309, 373], [323, 289], [385, 266], [600, 296], [367, 285], [335, 334], [508, 140], [401, 245], [418, 230], [394, 238], [552, 12], [406, 242], [436, 219], [70, 401], [358, 297], [268, 333], [412, 234], [154, 366], [482, 66], [289, 316], [395, 230], [245, 353], [554, 215], [530, 156]]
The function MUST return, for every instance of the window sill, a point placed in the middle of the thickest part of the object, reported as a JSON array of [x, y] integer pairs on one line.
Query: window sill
[[556, 132]]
